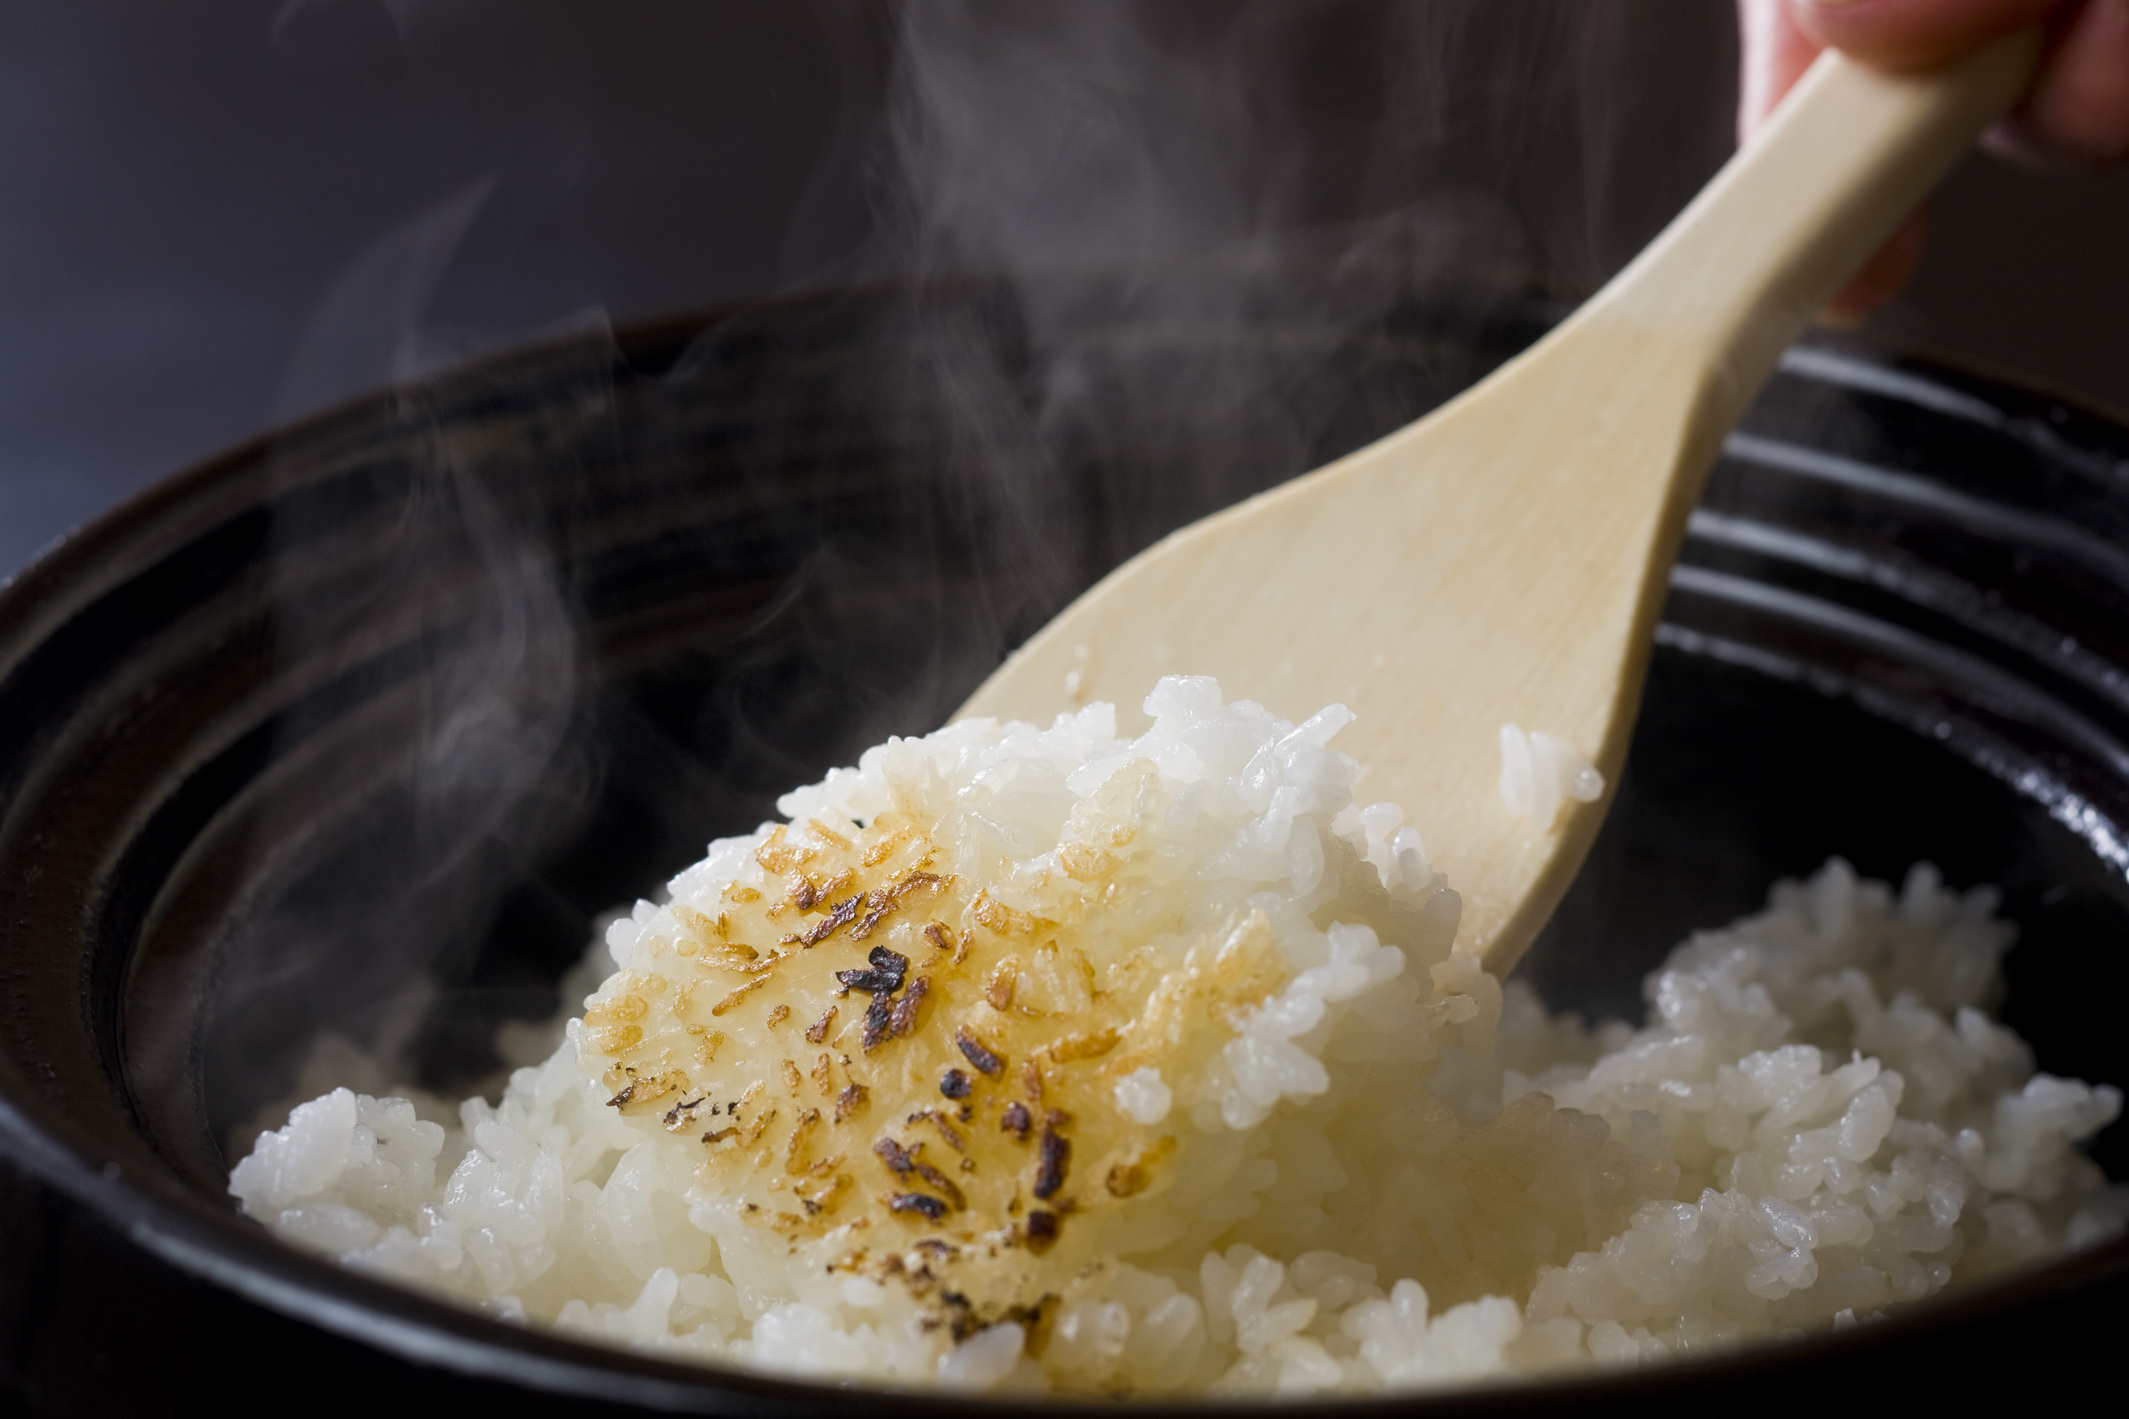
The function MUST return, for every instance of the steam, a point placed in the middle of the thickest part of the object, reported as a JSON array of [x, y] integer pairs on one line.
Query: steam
[[453, 632], [1274, 179], [1525, 143], [1132, 236], [367, 330]]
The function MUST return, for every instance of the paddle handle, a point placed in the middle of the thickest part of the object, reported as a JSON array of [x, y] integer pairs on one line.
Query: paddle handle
[[1849, 154]]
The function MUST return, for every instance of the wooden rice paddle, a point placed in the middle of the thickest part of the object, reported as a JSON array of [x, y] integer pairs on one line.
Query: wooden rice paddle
[[1505, 558]]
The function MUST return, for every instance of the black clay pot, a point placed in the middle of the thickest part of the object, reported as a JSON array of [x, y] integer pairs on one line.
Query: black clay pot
[[355, 729]]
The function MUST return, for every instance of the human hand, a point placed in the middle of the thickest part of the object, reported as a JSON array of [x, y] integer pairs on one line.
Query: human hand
[[2075, 116]]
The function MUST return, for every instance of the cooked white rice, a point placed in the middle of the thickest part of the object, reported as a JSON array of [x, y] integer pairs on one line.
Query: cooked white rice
[[1234, 1115]]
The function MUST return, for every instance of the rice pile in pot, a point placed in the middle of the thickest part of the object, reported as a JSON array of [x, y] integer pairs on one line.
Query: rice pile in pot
[[1039, 1060]]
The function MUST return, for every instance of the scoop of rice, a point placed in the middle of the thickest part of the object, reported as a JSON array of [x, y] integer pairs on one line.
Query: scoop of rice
[[1040, 1060]]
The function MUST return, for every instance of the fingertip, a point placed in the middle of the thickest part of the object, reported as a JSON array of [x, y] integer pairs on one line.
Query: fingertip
[[1914, 34], [2079, 110], [1776, 54], [2016, 141]]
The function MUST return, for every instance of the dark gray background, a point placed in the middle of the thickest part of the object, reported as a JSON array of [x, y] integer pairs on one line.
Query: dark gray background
[[216, 214]]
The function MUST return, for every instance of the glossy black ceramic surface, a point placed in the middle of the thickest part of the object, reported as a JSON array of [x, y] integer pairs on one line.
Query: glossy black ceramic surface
[[356, 729]]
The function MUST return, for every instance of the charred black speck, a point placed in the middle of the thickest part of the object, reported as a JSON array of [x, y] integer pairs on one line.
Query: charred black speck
[[885, 977], [879, 1022], [904, 1017], [877, 906], [894, 1155], [839, 916], [1050, 1167], [818, 1030], [680, 1115], [977, 1052], [955, 1084], [931, 1207], [1017, 1120], [1042, 1230], [905, 1161]]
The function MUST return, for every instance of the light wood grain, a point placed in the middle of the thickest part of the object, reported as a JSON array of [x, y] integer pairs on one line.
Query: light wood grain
[[1505, 559]]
